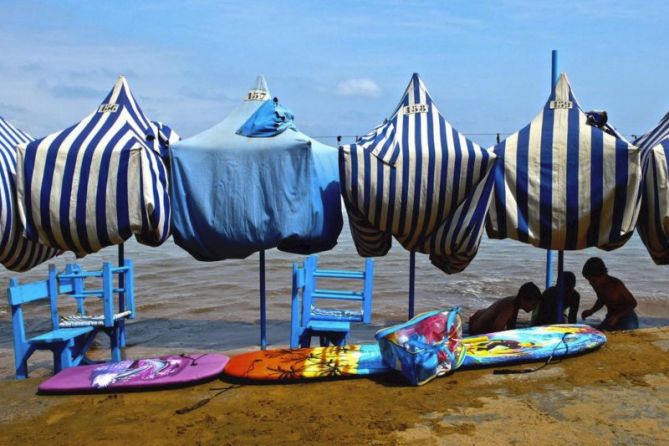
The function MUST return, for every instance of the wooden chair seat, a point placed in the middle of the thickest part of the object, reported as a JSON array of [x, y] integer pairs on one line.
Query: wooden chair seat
[[60, 335]]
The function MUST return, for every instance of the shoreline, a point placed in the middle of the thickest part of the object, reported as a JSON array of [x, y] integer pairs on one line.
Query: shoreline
[[618, 394]]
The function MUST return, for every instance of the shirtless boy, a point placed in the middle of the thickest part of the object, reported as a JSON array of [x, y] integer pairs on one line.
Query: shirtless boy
[[612, 294], [503, 314]]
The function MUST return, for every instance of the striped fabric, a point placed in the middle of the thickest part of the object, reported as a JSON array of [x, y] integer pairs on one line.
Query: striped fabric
[[97, 182], [418, 179], [653, 222], [655, 136], [16, 252], [166, 137], [562, 184]]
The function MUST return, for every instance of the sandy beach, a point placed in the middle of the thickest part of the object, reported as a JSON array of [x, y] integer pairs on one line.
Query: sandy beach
[[616, 395]]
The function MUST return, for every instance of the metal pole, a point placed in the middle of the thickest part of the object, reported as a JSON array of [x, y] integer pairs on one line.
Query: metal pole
[[561, 290], [550, 254], [412, 281], [263, 319], [121, 295]]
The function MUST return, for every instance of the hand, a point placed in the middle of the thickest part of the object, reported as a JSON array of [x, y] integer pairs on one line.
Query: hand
[[586, 314]]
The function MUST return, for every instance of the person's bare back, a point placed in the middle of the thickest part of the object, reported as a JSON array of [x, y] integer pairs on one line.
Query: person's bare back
[[503, 314], [494, 318]]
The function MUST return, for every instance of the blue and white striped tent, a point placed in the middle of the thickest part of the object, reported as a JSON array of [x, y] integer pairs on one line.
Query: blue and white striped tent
[[653, 222], [17, 253], [562, 184], [98, 182], [419, 180]]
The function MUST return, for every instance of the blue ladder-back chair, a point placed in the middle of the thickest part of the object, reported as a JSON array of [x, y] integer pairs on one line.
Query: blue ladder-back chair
[[69, 341], [67, 344], [330, 325]]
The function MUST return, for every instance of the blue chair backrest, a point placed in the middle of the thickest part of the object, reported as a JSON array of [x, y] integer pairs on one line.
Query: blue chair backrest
[[74, 279], [308, 277], [19, 294]]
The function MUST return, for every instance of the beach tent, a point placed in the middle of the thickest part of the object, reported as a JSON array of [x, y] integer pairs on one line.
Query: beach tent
[[97, 182], [563, 184], [419, 180], [653, 224], [17, 253], [254, 182]]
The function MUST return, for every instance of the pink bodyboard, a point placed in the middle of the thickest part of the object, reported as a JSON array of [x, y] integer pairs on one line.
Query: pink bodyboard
[[138, 374]]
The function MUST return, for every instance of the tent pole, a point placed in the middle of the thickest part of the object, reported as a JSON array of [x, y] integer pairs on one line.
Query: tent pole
[[549, 253], [263, 320], [560, 276], [121, 295], [412, 281], [561, 290]]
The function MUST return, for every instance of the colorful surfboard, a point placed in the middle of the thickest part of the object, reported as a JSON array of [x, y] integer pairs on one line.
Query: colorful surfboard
[[494, 349], [139, 374]]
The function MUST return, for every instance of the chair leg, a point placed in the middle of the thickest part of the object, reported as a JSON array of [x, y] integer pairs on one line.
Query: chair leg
[[62, 356], [338, 339], [305, 339], [22, 369], [115, 341], [121, 333]]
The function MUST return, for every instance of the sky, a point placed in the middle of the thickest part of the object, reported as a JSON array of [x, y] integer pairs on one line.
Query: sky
[[340, 66]]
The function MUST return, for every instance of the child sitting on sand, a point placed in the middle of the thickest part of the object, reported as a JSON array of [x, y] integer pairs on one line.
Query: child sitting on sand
[[502, 315], [546, 311], [613, 294]]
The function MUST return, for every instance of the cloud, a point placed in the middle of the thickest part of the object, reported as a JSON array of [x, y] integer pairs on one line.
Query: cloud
[[11, 108], [358, 87], [76, 92]]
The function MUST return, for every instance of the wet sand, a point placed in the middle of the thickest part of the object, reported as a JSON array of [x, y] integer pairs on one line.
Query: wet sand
[[616, 395]]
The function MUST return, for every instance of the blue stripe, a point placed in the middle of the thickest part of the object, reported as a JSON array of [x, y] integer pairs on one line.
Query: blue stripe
[[499, 174], [46, 189], [404, 185], [380, 179], [431, 163], [418, 157], [573, 148], [443, 177], [522, 183], [546, 181], [367, 186], [596, 186], [70, 172], [620, 203]]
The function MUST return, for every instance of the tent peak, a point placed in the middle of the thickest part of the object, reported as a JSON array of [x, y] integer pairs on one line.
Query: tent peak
[[562, 92], [259, 91]]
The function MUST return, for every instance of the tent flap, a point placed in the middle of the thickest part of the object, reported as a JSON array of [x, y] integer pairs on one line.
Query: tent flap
[[17, 253], [269, 120], [653, 222]]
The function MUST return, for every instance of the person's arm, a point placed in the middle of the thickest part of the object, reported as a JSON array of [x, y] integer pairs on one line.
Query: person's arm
[[595, 308], [573, 307]]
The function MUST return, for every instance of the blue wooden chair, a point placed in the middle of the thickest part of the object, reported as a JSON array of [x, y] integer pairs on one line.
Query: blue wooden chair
[[67, 344], [70, 337], [329, 324]]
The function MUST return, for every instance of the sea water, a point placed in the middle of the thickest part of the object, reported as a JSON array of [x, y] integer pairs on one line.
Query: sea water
[[187, 305]]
